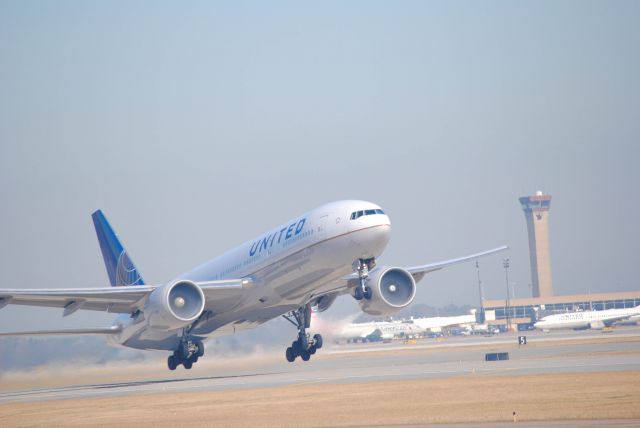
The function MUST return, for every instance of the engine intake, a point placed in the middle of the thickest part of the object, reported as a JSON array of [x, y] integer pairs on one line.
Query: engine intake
[[174, 305], [392, 289]]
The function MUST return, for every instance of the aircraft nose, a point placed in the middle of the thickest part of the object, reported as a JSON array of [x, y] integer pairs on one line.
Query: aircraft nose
[[372, 240]]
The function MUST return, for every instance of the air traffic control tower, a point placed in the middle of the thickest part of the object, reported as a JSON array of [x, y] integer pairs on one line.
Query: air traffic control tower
[[536, 213]]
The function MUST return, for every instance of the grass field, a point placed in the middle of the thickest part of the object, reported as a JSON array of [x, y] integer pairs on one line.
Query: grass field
[[467, 398]]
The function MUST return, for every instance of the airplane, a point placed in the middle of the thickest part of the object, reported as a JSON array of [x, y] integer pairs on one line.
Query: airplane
[[586, 319], [436, 324], [373, 331], [290, 270]]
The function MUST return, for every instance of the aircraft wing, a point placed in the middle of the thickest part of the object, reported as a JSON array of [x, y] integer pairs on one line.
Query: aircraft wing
[[67, 332], [611, 320], [419, 271], [124, 299]]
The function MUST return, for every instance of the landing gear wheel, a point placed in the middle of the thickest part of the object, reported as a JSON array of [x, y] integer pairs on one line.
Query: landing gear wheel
[[362, 268], [367, 293], [187, 364], [200, 347], [318, 339], [290, 354], [171, 362], [305, 345]]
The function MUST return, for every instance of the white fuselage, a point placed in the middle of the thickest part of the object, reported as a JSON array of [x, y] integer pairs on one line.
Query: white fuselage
[[585, 319], [385, 330], [288, 266], [437, 323]]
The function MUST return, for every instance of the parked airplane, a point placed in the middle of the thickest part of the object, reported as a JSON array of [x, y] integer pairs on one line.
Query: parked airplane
[[376, 330], [586, 319], [436, 324], [302, 264]]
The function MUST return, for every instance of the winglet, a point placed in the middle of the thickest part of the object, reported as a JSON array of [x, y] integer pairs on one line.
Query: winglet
[[119, 266]]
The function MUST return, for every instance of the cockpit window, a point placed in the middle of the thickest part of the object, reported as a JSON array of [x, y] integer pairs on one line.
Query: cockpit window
[[358, 214]]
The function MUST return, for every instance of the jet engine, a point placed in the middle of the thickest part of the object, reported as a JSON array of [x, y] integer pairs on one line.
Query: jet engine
[[323, 303], [391, 290], [175, 305]]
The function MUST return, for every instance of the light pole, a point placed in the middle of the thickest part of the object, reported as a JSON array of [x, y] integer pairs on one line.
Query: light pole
[[505, 264], [480, 318]]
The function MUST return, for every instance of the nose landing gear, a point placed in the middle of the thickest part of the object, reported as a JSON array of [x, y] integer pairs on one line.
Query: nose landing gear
[[305, 345], [362, 267]]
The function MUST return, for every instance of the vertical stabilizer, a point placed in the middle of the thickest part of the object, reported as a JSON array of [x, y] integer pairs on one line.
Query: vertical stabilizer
[[121, 270]]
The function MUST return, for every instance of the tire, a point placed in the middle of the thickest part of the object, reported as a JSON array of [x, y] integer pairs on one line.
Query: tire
[[357, 294], [184, 350], [171, 363], [367, 292], [195, 358], [312, 350], [290, 354], [188, 364], [305, 356], [200, 346], [318, 340]]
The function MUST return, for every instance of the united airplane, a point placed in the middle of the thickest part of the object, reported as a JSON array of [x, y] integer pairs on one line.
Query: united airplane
[[298, 267], [586, 319]]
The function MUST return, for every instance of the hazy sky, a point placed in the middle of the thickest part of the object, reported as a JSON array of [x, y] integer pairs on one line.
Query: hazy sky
[[198, 125]]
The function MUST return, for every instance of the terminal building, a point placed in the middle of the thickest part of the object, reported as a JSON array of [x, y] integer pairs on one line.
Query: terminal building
[[524, 312]]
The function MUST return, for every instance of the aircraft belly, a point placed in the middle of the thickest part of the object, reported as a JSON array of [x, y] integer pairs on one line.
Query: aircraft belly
[[291, 282]]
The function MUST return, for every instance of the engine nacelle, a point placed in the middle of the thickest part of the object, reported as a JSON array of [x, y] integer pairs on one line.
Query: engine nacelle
[[175, 305], [391, 290], [323, 303]]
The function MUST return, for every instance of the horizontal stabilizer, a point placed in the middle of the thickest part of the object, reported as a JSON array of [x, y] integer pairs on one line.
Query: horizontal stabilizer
[[69, 332]]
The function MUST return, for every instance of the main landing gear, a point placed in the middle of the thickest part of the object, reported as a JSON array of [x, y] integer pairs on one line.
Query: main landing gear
[[306, 345], [362, 267], [187, 354]]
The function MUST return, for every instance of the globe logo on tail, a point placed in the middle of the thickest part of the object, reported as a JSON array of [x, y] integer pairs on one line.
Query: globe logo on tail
[[126, 272]]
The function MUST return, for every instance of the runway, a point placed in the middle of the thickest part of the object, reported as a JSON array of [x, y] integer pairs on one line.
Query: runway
[[557, 352]]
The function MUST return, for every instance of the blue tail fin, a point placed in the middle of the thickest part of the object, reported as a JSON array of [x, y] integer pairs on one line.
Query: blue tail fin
[[119, 266]]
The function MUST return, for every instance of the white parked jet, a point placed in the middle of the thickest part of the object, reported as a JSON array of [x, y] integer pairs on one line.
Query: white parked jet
[[586, 319], [375, 330], [436, 324], [306, 262]]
